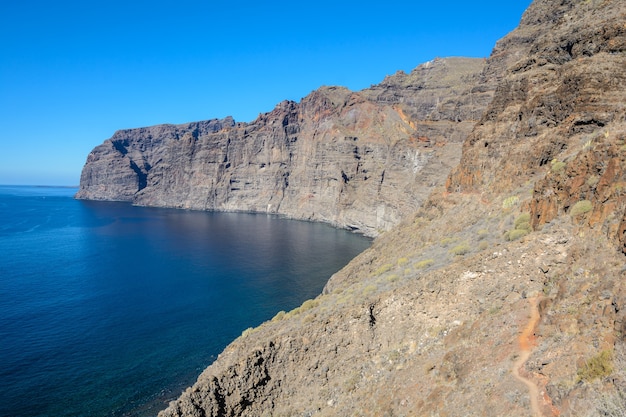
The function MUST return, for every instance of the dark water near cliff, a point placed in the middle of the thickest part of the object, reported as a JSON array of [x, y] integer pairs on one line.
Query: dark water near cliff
[[109, 310]]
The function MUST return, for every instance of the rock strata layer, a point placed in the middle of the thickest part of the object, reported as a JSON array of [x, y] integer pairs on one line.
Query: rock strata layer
[[558, 117], [359, 160]]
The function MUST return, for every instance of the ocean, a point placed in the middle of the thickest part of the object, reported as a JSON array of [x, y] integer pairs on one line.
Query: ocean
[[107, 309]]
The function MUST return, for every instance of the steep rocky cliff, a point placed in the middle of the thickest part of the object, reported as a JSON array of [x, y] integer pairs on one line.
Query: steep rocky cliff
[[361, 160], [559, 117], [504, 293]]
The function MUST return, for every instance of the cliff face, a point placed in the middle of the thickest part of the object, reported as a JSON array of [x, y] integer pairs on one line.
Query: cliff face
[[362, 160], [558, 117], [503, 294]]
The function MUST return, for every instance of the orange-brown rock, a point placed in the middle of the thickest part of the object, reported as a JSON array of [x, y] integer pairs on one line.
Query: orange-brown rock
[[559, 113], [596, 174]]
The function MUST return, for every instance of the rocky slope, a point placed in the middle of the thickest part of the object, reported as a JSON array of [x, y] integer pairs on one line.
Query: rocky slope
[[504, 293], [361, 160]]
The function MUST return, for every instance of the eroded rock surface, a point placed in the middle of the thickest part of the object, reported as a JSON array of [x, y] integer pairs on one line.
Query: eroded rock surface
[[558, 116], [361, 160]]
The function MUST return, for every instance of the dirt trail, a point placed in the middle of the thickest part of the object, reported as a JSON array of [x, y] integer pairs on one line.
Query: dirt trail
[[527, 341]]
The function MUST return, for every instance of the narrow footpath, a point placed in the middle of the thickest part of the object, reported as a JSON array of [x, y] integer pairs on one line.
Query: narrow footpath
[[527, 341]]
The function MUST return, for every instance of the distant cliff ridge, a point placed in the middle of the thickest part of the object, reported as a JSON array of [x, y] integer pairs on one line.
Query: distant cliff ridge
[[360, 160]]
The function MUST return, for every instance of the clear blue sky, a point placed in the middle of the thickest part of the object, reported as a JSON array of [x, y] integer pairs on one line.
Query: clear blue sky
[[74, 72]]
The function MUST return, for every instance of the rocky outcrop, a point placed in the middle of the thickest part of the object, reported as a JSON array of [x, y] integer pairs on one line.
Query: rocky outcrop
[[450, 313], [558, 114], [361, 160]]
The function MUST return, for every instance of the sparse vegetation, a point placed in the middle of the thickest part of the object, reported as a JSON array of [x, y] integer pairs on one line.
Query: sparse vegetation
[[581, 207], [494, 309], [402, 261], [382, 269], [461, 249], [307, 305], [515, 234], [522, 222], [448, 240], [557, 166], [482, 234], [423, 264], [351, 383], [510, 202], [247, 332], [598, 366], [394, 356], [279, 316], [611, 404], [521, 227], [393, 278], [369, 289], [593, 180]]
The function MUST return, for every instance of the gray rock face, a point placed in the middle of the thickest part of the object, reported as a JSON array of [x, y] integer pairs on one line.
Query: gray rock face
[[118, 169], [359, 160]]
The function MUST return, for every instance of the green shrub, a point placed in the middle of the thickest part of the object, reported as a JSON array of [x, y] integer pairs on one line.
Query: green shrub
[[522, 227], [279, 316], [593, 180], [381, 270], [510, 202], [596, 367], [392, 278], [370, 289], [402, 261], [557, 166], [309, 304], [516, 234], [447, 240], [483, 233], [247, 332], [461, 249], [424, 263], [582, 207], [522, 222]]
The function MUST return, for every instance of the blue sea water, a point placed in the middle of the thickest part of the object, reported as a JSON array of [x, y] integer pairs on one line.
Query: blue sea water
[[112, 310]]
